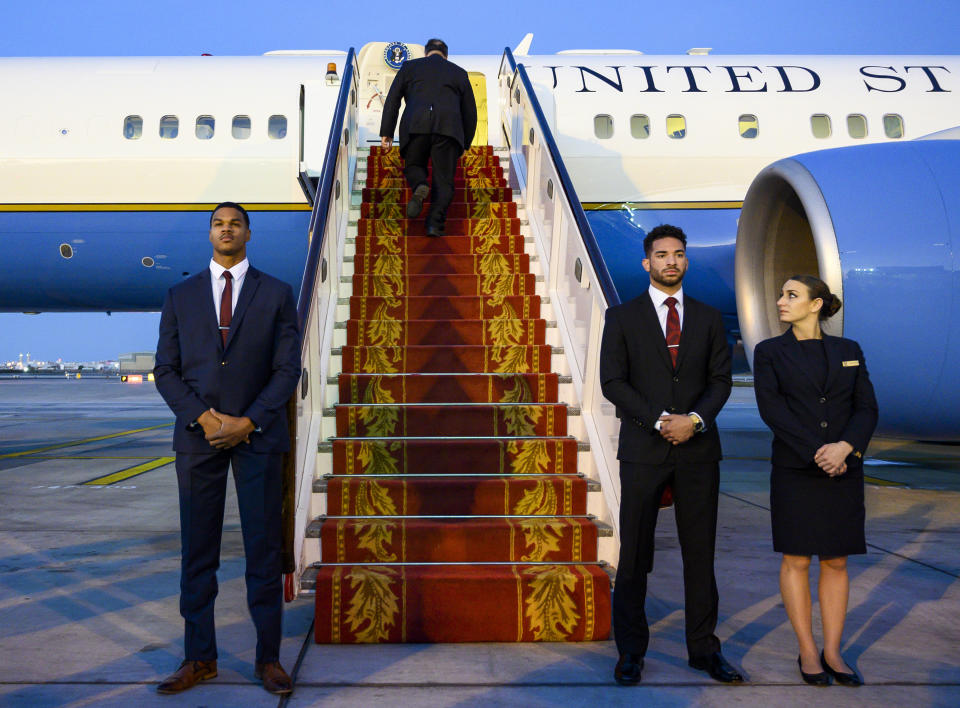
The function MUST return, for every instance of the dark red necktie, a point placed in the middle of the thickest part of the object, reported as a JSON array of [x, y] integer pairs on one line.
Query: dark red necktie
[[673, 329], [226, 306]]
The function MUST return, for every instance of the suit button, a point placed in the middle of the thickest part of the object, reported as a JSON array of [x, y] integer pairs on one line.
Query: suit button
[[223, 363], [673, 409], [823, 424], [676, 379], [823, 400]]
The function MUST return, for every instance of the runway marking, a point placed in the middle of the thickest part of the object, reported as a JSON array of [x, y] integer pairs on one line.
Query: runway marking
[[883, 482], [129, 472], [74, 443], [94, 457]]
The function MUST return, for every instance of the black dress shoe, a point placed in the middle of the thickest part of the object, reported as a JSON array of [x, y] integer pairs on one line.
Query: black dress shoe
[[718, 668], [434, 231], [627, 671], [819, 679], [415, 205], [840, 677]]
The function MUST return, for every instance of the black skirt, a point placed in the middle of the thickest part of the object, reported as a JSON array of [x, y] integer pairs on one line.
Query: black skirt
[[813, 514]]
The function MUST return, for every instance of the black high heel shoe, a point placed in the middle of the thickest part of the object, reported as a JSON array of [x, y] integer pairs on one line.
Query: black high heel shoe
[[841, 678], [820, 679]]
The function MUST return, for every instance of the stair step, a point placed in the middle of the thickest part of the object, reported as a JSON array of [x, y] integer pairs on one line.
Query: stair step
[[331, 445], [446, 332], [447, 388], [453, 244], [461, 603], [453, 284], [413, 420], [443, 359], [441, 263], [448, 307], [458, 540], [392, 495], [321, 485]]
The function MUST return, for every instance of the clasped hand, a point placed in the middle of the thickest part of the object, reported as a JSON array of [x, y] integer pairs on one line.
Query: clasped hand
[[831, 458], [224, 431], [676, 428]]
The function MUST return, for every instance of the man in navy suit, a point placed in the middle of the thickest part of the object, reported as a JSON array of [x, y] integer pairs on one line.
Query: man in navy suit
[[665, 364], [228, 358], [438, 124]]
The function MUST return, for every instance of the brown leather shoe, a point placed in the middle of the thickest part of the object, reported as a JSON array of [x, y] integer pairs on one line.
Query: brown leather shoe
[[275, 679], [187, 676]]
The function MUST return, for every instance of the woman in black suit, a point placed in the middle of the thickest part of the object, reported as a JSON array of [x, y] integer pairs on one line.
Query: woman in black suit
[[814, 392]]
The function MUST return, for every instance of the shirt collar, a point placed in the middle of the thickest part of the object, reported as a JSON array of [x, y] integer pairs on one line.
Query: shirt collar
[[658, 296], [237, 271]]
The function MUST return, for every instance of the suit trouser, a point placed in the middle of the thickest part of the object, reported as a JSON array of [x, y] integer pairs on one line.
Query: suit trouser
[[202, 481], [695, 493], [444, 152]]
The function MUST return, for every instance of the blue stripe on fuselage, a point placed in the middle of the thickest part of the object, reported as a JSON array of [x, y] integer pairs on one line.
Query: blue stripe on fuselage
[[106, 271]]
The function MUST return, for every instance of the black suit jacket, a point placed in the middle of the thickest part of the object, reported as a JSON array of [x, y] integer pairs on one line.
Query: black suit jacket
[[637, 376], [438, 100], [804, 415], [253, 376]]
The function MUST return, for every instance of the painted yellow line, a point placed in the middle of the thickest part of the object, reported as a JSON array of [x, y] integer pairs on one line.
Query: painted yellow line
[[259, 206], [92, 457], [882, 482], [83, 442], [617, 206], [130, 472]]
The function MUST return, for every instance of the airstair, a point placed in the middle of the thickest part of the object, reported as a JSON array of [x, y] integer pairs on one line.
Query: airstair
[[452, 482]]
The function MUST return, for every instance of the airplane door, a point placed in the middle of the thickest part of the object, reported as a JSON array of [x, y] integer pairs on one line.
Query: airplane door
[[479, 83], [318, 101]]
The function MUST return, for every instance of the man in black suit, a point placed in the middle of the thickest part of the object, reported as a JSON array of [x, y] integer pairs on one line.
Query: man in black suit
[[439, 120], [665, 364], [228, 385]]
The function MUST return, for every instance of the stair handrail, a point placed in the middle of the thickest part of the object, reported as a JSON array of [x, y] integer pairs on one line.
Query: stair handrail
[[316, 305], [577, 281], [586, 232], [321, 205]]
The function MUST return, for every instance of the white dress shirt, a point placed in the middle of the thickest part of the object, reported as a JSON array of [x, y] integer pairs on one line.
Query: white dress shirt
[[659, 303], [239, 272]]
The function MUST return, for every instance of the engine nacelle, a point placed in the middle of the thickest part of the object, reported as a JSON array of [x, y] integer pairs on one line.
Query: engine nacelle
[[878, 223]]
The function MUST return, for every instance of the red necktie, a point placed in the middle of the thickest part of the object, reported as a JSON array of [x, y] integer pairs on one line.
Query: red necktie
[[673, 329], [226, 306]]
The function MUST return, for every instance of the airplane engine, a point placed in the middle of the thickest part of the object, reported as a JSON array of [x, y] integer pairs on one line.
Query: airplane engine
[[879, 224]]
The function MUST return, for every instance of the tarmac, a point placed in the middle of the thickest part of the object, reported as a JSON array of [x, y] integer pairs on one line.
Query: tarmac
[[89, 584]]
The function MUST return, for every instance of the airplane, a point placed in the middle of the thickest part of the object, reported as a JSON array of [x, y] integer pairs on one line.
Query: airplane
[[772, 164]]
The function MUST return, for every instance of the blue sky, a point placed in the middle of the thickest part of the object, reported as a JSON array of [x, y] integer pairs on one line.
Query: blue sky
[[244, 27]]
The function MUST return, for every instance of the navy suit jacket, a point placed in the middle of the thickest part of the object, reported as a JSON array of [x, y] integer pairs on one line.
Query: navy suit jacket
[[438, 100], [803, 414], [253, 376], [637, 376]]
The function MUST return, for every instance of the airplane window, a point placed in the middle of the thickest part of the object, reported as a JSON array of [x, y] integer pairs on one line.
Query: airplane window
[[820, 125], [893, 125], [676, 126], [169, 127], [132, 127], [857, 126], [277, 127], [748, 125], [603, 126], [241, 127], [640, 126], [205, 127]]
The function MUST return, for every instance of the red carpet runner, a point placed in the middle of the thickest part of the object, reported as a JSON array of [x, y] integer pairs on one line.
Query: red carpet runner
[[455, 512]]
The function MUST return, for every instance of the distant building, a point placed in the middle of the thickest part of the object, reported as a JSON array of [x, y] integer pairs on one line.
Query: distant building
[[136, 362]]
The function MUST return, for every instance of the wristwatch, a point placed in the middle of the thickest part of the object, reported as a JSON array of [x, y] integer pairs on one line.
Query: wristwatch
[[697, 422]]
